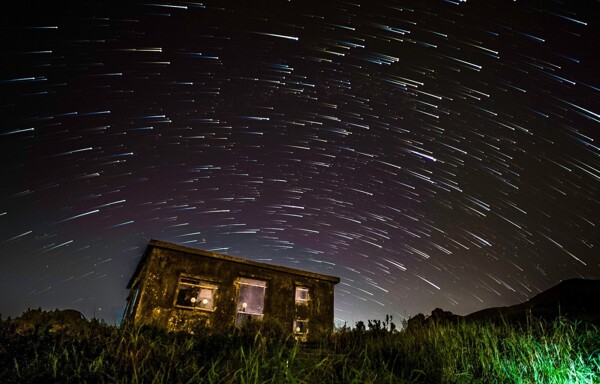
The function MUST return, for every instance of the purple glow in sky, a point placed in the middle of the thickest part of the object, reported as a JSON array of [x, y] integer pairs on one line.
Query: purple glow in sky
[[429, 153]]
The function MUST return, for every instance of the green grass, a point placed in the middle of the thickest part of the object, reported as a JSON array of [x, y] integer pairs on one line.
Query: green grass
[[93, 352]]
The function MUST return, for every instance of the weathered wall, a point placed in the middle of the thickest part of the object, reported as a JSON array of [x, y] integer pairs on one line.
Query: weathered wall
[[159, 279]]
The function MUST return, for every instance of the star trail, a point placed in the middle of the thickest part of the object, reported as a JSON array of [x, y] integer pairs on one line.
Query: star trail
[[429, 153]]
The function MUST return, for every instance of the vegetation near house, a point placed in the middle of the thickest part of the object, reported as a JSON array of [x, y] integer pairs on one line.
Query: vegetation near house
[[531, 342], [560, 351], [184, 289], [64, 321]]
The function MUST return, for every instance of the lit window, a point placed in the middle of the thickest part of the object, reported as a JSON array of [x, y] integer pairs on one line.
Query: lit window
[[251, 299], [196, 294], [300, 327], [301, 295]]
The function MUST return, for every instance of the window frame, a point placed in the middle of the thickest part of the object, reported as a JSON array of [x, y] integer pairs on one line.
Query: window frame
[[295, 327], [200, 284], [299, 301], [241, 314]]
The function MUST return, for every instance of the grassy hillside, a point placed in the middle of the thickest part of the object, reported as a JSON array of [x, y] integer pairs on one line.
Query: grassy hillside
[[93, 352]]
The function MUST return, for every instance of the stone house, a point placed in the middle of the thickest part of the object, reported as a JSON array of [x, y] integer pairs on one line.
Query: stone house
[[178, 288]]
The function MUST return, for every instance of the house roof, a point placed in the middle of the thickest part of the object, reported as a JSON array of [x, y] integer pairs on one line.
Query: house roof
[[193, 251]]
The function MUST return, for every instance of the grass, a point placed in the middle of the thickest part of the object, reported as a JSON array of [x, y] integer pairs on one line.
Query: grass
[[94, 352]]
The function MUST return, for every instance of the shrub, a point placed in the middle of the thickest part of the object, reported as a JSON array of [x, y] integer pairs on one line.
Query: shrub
[[558, 352]]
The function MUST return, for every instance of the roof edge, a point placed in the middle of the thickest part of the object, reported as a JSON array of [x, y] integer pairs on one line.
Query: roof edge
[[139, 267], [180, 248]]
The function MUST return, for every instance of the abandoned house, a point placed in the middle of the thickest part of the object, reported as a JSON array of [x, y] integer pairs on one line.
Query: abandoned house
[[178, 288]]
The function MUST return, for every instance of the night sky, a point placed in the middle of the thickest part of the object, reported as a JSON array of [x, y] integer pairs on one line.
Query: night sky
[[429, 153]]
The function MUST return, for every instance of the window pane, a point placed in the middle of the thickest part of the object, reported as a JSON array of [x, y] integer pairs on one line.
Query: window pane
[[300, 326], [301, 295], [193, 293], [133, 300], [205, 298], [251, 299], [187, 295]]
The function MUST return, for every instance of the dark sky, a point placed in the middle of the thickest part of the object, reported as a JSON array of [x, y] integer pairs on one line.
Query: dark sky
[[429, 153]]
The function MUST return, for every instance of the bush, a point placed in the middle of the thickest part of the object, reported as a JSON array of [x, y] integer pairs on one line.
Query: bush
[[446, 352]]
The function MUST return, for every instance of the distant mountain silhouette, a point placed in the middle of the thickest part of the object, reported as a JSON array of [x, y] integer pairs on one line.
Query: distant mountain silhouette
[[575, 299]]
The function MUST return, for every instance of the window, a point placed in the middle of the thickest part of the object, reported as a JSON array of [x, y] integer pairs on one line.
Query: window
[[251, 299], [132, 299], [300, 327], [301, 295], [195, 294]]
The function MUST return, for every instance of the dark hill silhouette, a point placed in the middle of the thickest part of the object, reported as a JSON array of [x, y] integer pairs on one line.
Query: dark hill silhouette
[[575, 299]]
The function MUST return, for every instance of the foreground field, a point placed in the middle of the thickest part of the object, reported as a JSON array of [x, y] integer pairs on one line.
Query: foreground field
[[93, 352]]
